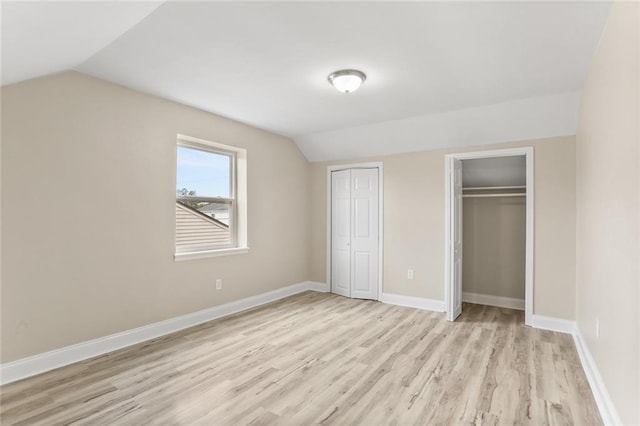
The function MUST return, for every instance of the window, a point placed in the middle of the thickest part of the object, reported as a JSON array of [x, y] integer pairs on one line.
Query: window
[[210, 193]]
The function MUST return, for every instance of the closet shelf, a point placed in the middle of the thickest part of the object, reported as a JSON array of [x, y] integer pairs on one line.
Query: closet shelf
[[492, 188], [522, 194], [493, 191]]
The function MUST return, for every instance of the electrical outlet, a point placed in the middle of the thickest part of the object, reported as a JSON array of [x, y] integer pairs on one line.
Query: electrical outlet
[[597, 328], [219, 284], [410, 274]]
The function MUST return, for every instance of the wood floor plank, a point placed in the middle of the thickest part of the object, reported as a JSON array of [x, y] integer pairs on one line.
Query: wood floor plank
[[322, 359]]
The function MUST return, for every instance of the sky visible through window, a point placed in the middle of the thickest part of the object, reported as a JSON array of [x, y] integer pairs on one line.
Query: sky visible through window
[[204, 172]]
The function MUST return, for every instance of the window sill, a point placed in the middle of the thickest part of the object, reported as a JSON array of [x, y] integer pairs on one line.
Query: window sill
[[210, 253]]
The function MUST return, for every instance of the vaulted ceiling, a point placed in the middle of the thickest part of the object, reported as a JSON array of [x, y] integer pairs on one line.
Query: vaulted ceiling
[[40, 38], [441, 69]]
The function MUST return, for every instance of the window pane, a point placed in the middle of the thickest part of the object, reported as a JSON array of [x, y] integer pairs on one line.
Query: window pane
[[201, 225], [202, 173], [218, 211]]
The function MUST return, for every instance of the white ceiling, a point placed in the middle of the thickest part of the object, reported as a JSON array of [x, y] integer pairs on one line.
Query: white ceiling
[[266, 63], [40, 38]]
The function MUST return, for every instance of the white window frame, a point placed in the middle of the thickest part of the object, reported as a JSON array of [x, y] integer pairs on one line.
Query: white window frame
[[237, 200]]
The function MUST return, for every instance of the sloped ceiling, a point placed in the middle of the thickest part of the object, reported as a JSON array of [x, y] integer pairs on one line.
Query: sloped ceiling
[[439, 74], [40, 38]]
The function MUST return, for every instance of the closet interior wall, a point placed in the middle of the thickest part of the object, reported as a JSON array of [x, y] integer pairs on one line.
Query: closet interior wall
[[494, 242]]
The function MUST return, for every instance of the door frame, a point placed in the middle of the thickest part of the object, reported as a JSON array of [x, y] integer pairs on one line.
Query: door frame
[[372, 165], [527, 152]]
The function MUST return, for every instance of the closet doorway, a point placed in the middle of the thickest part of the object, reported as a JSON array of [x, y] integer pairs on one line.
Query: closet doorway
[[354, 230], [489, 230]]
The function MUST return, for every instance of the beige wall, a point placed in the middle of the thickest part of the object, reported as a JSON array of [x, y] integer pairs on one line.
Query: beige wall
[[88, 200], [608, 196], [494, 242], [88, 213], [414, 223]]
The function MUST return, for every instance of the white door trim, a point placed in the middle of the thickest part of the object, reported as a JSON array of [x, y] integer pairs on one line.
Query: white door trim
[[529, 282], [373, 165]]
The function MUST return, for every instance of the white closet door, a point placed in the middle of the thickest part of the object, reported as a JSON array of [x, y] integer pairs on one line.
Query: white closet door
[[341, 232], [455, 298], [364, 233], [354, 233]]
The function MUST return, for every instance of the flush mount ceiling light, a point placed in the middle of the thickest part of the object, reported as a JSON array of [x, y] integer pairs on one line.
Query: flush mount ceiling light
[[347, 81]]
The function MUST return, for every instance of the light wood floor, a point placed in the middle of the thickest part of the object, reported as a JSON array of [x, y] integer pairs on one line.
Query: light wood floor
[[318, 358]]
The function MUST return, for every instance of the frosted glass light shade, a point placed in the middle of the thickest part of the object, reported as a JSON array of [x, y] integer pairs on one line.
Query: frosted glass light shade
[[346, 81]]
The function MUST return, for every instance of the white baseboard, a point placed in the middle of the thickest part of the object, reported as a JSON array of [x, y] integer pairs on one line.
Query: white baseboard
[[601, 395], [608, 411], [553, 324], [26, 367], [317, 286], [413, 302], [499, 301]]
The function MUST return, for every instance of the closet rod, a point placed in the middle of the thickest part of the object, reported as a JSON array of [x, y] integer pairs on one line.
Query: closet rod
[[487, 188], [492, 195]]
